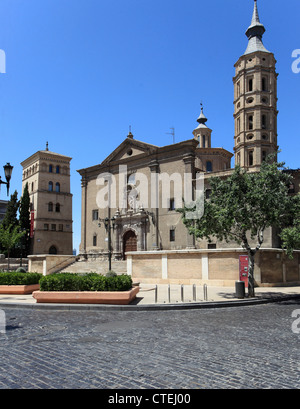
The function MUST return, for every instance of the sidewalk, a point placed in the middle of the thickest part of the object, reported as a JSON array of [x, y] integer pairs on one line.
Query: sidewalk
[[216, 296]]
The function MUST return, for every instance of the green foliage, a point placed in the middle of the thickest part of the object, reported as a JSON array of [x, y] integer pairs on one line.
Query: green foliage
[[24, 218], [85, 282], [10, 218], [18, 278], [10, 236], [244, 204]]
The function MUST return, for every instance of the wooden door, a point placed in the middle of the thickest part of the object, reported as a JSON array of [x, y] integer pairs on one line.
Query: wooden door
[[129, 242]]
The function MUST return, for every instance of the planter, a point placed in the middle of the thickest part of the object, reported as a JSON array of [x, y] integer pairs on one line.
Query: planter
[[18, 289], [86, 297]]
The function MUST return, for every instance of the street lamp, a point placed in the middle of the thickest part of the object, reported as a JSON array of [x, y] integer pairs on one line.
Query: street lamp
[[7, 171], [108, 224]]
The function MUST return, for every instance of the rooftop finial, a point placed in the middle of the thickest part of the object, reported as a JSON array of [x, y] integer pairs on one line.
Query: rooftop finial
[[202, 118], [47, 146], [255, 32], [130, 134]]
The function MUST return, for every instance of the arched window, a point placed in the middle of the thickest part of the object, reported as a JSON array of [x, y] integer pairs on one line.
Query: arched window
[[50, 207], [57, 187], [209, 167], [57, 169], [50, 168], [57, 207], [50, 186], [95, 240]]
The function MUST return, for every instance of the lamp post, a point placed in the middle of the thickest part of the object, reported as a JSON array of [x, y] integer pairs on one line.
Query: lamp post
[[108, 224], [7, 171]]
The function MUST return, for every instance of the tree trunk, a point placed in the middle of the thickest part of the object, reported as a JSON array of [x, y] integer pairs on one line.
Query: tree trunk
[[251, 292]]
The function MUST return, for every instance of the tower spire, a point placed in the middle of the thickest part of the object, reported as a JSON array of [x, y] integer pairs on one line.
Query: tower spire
[[255, 17], [255, 32], [202, 118], [202, 133]]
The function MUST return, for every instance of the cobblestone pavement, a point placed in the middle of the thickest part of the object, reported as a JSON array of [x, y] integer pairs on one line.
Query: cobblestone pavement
[[236, 347]]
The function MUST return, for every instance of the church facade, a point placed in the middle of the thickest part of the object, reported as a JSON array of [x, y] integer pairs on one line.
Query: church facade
[[129, 200]]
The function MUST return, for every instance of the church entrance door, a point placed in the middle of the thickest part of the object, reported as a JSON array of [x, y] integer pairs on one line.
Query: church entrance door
[[129, 242]]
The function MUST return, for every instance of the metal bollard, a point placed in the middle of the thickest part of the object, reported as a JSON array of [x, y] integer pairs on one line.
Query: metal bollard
[[156, 294], [205, 292], [194, 292], [169, 293], [182, 297]]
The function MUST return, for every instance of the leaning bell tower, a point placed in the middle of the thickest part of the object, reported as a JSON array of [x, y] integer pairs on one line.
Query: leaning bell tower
[[255, 100]]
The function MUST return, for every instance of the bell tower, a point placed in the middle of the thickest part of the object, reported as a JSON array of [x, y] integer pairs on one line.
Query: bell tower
[[255, 100]]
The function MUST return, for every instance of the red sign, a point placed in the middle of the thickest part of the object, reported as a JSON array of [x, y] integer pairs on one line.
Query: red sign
[[244, 270], [31, 224]]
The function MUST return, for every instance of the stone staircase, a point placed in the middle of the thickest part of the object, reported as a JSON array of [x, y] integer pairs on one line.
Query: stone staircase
[[96, 266]]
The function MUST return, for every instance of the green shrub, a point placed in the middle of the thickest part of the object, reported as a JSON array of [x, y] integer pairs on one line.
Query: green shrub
[[86, 282], [19, 278]]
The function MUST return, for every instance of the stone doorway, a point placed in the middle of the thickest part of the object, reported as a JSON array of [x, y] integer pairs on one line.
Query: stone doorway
[[129, 242], [53, 250]]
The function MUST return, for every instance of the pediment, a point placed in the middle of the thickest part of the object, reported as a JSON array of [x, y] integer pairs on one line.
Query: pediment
[[129, 149]]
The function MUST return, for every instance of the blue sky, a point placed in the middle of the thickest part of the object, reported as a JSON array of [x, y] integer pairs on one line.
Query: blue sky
[[79, 72]]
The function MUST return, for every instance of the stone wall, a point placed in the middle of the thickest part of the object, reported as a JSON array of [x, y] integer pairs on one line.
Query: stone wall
[[218, 266], [49, 264]]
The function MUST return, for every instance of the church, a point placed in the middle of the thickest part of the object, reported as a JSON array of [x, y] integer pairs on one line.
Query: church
[[123, 213]]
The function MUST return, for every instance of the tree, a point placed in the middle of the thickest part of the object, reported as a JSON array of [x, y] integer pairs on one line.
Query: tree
[[242, 206], [24, 218], [9, 237], [10, 217]]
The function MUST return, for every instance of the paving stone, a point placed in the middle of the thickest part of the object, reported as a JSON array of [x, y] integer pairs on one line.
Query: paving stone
[[240, 347]]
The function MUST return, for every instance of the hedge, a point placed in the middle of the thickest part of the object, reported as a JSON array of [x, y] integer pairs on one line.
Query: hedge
[[86, 282], [18, 278]]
